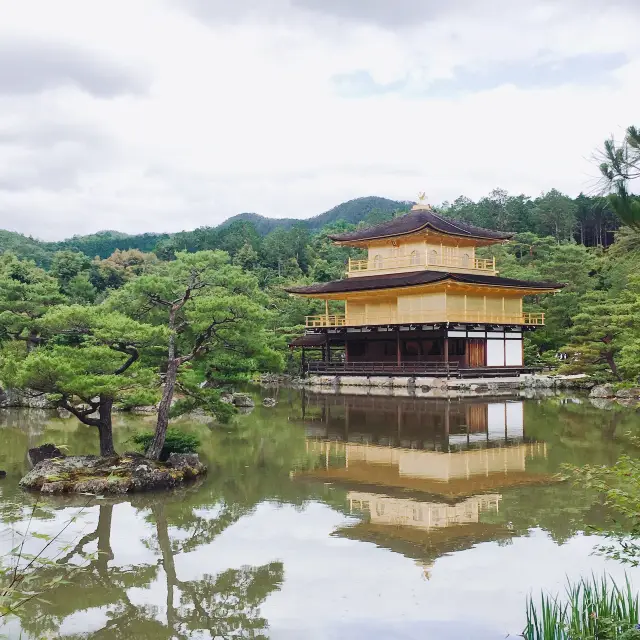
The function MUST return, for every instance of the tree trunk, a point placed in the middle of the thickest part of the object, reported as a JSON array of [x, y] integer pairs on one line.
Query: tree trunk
[[32, 341], [105, 553], [168, 561], [105, 428], [608, 356], [155, 450]]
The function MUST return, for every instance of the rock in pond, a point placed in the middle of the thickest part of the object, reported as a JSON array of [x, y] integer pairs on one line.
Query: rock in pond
[[226, 397], [243, 400], [3, 474], [118, 475], [144, 410], [44, 452], [602, 391], [628, 394], [269, 402], [184, 461]]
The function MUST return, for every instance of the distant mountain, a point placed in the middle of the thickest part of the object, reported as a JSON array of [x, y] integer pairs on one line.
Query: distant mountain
[[262, 224], [25, 247], [352, 211], [104, 243]]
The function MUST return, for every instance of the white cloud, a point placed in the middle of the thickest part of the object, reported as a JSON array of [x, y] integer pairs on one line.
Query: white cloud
[[239, 110]]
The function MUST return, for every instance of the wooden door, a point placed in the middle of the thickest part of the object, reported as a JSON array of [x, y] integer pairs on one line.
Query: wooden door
[[477, 418], [477, 352]]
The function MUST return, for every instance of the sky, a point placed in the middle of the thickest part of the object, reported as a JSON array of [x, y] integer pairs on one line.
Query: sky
[[163, 115]]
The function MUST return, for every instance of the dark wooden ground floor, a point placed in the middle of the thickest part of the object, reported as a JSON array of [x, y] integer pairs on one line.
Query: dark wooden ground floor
[[452, 352]]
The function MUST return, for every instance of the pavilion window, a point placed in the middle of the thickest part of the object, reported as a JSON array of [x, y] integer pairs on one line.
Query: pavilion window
[[377, 262], [456, 346], [466, 260], [414, 259], [433, 256]]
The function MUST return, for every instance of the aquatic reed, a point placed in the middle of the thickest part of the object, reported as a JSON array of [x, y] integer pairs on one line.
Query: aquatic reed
[[594, 609]]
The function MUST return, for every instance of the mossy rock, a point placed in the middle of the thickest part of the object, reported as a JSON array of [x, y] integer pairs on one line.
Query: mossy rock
[[115, 475]]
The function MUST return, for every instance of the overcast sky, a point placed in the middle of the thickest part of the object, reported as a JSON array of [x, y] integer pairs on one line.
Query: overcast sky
[[161, 115]]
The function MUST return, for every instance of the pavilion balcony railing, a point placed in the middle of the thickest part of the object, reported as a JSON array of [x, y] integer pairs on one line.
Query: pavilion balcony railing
[[326, 321], [358, 320], [435, 367], [466, 263]]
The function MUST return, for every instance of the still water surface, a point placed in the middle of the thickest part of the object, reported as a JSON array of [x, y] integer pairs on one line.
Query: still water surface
[[326, 517]]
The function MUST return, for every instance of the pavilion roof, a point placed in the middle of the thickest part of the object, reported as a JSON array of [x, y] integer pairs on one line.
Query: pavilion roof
[[416, 278], [419, 218]]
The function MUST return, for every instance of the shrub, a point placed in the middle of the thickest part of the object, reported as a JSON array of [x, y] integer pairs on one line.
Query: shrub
[[176, 442]]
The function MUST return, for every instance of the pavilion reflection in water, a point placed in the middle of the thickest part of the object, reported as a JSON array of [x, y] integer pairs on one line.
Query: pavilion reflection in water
[[422, 472], [436, 424]]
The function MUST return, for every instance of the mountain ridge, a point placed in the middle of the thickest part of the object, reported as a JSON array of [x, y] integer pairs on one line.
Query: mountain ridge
[[103, 243]]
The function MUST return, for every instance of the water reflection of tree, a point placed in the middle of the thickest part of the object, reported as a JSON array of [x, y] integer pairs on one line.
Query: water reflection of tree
[[94, 585], [247, 467], [227, 604]]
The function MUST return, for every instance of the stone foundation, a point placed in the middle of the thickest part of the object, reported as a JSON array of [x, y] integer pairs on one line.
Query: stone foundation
[[442, 387]]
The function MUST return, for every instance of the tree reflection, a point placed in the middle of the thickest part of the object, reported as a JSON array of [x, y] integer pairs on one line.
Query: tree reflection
[[226, 605], [223, 605]]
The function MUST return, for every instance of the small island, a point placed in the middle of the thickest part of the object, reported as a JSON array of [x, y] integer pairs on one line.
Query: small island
[[130, 473]]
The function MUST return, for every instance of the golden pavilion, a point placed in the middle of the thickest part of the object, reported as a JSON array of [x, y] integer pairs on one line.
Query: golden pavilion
[[421, 303]]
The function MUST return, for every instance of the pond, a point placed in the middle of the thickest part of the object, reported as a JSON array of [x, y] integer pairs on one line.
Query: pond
[[325, 517]]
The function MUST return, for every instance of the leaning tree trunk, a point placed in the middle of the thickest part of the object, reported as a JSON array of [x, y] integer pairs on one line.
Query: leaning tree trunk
[[155, 450], [608, 356], [105, 428], [168, 561]]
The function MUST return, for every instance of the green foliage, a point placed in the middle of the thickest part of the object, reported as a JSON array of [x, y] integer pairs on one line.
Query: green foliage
[[26, 247], [595, 609], [26, 294], [222, 320], [620, 486], [139, 397], [105, 243], [619, 167], [176, 441], [88, 358], [606, 332]]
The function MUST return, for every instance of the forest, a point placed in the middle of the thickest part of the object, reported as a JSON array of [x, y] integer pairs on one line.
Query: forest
[[91, 321]]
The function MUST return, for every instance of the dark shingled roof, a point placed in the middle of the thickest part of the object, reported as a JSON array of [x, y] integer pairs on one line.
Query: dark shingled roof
[[413, 278], [418, 219], [311, 340]]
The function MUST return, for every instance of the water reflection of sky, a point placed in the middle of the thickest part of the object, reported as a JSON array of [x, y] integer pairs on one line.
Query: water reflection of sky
[[423, 521]]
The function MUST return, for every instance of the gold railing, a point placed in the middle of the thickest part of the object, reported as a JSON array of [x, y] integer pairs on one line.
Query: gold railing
[[356, 320], [326, 321], [533, 318], [420, 262]]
